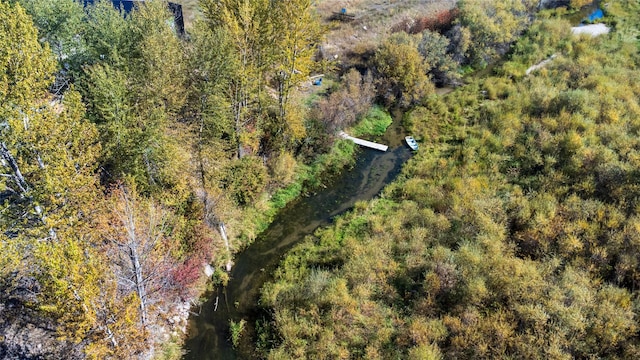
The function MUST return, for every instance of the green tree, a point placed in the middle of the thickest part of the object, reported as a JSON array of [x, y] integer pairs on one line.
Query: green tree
[[296, 31], [136, 89], [157, 61], [242, 25], [403, 70], [107, 35], [61, 24], [48, 150], [47, 161]]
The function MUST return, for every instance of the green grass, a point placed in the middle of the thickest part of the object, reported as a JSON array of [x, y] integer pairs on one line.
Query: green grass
[[375, 123]]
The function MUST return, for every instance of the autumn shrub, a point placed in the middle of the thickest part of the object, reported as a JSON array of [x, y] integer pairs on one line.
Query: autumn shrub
[[438, 22], [401, 71], [197, 251], [498, 88], [245, 179], [282, 168], [487, 29], [318, 139], [344, 107], [187, 273], [514, 236]]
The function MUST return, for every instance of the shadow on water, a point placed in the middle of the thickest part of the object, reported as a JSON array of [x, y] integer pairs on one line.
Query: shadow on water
[[208, 336]]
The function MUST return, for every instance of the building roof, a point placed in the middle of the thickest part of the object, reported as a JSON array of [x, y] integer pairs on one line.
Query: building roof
[[126, 6]]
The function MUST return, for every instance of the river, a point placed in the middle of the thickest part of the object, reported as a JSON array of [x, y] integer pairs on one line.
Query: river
[[208, 332]]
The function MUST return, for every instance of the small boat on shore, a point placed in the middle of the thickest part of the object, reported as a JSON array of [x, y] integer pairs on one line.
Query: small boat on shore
[[411, 142]]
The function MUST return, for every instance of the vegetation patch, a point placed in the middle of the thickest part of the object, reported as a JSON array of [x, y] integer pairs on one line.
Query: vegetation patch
[[513, 230], [374, 123], [307, 177]]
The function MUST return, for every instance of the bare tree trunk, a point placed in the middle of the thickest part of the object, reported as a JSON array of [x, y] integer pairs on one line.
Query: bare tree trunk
[[133, 243], [23, 187], [209, 217], [223, 233], [13, 165], [140, 289]]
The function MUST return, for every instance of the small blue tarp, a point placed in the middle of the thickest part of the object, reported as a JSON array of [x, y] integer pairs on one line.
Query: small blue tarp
[[598, 14]]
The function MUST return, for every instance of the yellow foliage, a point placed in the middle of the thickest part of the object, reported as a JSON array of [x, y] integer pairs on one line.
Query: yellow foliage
[[283, 168], [425, 352], [577, 4]]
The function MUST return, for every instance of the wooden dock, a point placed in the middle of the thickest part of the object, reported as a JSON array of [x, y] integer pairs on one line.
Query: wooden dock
[[364, 143]]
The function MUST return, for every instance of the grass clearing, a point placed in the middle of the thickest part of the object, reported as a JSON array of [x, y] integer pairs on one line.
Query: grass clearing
[[375, 123]]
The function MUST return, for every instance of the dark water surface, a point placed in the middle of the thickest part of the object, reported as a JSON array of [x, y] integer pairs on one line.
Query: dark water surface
[[208, 333]]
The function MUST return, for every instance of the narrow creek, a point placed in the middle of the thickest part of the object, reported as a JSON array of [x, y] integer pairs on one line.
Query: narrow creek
[[208, 332]]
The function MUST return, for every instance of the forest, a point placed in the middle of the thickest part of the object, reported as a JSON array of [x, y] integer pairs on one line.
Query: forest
[[126, 147], [132, 157]]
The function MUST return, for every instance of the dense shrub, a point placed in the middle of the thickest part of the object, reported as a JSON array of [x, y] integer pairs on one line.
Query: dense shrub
[[343, 107], [513, 232], [402, 71], [244, 179]]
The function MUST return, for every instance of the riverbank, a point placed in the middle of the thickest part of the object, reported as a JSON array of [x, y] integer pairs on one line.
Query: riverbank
[[308, 178], [210, 329], [254, 221]]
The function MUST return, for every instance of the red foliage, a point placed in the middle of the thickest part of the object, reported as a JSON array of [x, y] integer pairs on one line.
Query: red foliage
[[438, 23], [199, 253], [187, 273]]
